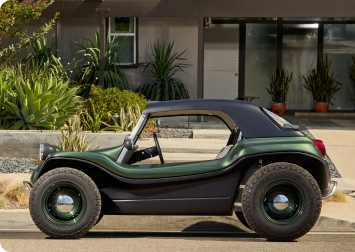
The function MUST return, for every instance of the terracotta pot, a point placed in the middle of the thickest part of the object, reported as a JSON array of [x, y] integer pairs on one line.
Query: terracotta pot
[[278, 108], [321, 107]]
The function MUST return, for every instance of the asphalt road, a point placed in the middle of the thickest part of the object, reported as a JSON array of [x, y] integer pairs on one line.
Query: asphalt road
[[173, 241]]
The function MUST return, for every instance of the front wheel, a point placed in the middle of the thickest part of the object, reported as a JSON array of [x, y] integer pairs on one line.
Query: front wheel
[[281, 202], [65, 203]]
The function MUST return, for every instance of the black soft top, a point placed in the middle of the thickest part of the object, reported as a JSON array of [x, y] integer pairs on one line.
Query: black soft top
[[249, 117]]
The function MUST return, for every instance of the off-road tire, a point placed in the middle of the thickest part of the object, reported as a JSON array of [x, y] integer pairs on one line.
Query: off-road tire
[[281, 178], [49, 217]]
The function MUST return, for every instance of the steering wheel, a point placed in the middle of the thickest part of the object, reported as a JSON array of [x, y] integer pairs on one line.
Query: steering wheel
[[158, 148]]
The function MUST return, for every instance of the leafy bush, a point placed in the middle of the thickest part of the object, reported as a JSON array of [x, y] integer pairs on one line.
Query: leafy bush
[[279, 85], [113, 99], [37, 102], [73, 138], [93, 121], [44, 59], [164, 86], [321, 83], [89, 73]]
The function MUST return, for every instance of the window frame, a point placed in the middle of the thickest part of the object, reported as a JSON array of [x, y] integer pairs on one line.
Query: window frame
[[120, 34]]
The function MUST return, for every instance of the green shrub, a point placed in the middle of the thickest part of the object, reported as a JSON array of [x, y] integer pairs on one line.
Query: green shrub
[[111, 100], [43, 61], [163, 67], [89, 72], [93, 120]]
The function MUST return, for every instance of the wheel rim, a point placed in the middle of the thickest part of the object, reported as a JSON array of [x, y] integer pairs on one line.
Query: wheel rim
[[64, 203], [282, 202]]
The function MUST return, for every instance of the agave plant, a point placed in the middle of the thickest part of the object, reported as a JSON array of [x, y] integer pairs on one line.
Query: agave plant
[[352, 78], [321, 83], [89, 72], [163, 67], [35, 104]]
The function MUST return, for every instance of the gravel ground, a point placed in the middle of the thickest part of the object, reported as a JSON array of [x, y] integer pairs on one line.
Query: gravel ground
[[165, 132], [25, 165], [17, 165]]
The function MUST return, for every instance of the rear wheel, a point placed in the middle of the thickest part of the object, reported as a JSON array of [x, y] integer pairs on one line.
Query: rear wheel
[[281, 201], [65, 203]]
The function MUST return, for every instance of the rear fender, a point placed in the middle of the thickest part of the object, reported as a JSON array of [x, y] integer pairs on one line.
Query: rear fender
[[317, 167]]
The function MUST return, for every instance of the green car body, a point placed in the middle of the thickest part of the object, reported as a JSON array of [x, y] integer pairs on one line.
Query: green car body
[[261, 146]]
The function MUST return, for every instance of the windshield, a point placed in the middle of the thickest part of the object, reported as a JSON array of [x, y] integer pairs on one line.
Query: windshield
[[281, 122], [140, 124]]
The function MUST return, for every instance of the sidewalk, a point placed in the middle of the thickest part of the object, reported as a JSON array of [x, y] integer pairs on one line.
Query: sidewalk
[[338, 134]]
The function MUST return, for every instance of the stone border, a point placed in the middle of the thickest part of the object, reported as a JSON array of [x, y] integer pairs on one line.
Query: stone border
[[25, 144]]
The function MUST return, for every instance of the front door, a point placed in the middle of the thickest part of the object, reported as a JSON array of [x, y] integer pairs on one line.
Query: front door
[[221, 58]]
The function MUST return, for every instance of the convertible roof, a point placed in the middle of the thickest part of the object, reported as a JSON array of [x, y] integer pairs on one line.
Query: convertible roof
[[249, 117]]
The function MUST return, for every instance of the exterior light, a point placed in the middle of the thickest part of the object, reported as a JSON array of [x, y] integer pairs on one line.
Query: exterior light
[[115, 117]]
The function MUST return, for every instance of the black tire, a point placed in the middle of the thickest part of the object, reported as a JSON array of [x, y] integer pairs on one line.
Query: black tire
[[99, 219], [65, 203], [279, 218], [242, 219]]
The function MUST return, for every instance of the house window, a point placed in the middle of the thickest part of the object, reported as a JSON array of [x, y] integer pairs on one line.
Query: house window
[[124, 29]]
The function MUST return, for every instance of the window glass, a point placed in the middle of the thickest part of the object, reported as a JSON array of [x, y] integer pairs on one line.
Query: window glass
[[182, 139], [124, 30], [260, 60], [299, 55], [281, 122], [339, 45]]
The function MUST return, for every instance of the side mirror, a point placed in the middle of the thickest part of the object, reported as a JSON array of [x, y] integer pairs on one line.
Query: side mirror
[[128, 144]]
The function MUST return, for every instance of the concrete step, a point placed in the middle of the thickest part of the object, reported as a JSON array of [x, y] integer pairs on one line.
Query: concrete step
[[211, 134]]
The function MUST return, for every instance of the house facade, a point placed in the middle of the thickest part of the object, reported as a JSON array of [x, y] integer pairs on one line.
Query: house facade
[[232, 46]]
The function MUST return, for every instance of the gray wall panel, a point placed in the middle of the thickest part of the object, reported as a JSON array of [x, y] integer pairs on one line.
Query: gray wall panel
[[74, 30]]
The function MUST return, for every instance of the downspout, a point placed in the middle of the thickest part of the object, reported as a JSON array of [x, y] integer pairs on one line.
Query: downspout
[[102, 44]]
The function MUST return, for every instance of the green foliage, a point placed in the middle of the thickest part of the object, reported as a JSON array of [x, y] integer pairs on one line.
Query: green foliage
[[42, 102], [352, 78], [14, 14], [73, 138], [163, 67], [279, 84], [129, 117], [89, 73], [113, 99], [321, 83], [43, 58], [93, 119]]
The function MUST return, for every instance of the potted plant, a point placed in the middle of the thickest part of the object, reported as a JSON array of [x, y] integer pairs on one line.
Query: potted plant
[[279, 85], [322, 85]]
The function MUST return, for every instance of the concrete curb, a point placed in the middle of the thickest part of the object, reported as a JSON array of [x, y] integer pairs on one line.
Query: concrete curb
[[21, 220]]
